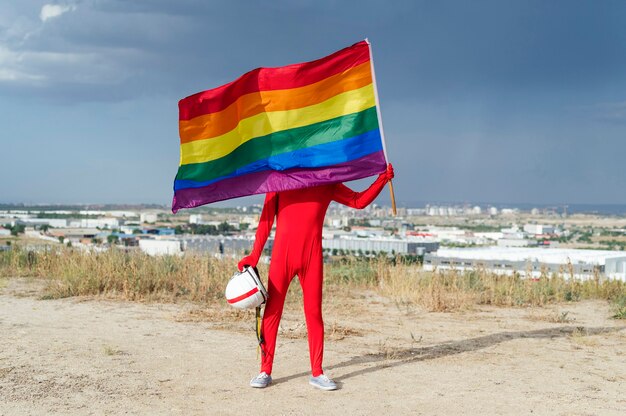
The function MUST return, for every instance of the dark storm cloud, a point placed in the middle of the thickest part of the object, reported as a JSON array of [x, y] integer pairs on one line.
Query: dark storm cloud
[[482, 100], [423, 48]]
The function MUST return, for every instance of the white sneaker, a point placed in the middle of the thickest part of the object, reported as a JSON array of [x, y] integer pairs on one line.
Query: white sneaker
[[261, 381], [323, 383]]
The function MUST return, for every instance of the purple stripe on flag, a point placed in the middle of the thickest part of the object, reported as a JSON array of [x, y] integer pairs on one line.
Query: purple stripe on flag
[[276, 181]]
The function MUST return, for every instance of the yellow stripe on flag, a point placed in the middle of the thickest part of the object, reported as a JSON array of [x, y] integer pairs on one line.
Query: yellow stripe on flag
[[200, 151]]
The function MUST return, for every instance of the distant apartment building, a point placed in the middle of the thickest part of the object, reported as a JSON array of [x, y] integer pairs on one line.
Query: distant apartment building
[[415, 211], [453, 210], [441, 211]]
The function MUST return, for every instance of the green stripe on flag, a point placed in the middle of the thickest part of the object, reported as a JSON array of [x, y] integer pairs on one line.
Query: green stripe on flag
[[339, 128]]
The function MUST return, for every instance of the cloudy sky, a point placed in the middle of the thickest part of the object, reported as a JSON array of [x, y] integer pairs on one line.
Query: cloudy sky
[[501, 101]]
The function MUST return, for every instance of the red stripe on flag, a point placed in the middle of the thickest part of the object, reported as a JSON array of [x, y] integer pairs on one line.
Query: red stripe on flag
[[244, 296], [266, 79]]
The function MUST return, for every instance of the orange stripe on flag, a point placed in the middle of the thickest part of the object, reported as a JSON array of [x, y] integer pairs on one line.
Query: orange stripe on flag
[[217, 124]]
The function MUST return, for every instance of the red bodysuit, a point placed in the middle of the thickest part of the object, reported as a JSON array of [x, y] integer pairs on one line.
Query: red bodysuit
[[298, 251]]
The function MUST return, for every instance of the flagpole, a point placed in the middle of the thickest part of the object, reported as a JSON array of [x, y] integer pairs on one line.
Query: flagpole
[[380, 125]]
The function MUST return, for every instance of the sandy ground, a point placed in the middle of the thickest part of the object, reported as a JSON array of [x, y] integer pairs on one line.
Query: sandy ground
[[86, 356]]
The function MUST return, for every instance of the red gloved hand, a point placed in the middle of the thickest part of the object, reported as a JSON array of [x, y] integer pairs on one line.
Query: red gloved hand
[[247, 261], [389, 173]]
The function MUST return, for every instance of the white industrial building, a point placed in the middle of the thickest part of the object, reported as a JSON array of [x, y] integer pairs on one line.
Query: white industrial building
[[539, 229], [516, 242], [129, 229], [234, 245], [415, 211], [74, 233], [123, 214], [376, 245], [148, 217], [52, 222], [195, 219], [113, 213], [94, 223], [460, 236], [582, 264], [161, 247], [227, 245], [11, 215]]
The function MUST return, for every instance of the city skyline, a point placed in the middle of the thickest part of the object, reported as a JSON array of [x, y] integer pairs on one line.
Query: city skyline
[[512, 103]]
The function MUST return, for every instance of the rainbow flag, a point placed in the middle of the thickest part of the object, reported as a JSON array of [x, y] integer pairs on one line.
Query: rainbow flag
[[277, 129]]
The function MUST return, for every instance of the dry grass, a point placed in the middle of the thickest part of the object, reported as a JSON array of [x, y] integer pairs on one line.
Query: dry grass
[[121, 274], [390, 350], [216, 315], [619, 307], [446, 290], [110, 350], [333, 331], [338, 332], [580, 337], [555, 317], [202, 279]]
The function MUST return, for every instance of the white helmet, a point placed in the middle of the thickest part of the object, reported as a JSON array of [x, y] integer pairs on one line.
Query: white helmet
[[245, 289]]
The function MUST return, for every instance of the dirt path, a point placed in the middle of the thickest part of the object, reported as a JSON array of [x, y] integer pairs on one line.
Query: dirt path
[[80, 357]]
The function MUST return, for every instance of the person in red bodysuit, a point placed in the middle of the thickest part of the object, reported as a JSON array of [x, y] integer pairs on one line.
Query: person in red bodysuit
[[298, 251]]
